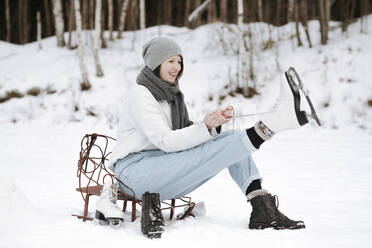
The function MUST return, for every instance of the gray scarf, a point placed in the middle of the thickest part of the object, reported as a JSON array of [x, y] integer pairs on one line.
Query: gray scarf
[[169, 92]]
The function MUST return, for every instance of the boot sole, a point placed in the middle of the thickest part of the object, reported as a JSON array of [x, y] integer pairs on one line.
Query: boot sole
[[261, 226], [154, 234], [290, 227]]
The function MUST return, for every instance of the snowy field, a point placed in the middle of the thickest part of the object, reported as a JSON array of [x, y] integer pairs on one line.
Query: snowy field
[[321, 175]]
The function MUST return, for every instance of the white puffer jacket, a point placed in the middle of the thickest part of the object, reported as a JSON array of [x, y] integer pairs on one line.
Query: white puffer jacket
[[146, 124]]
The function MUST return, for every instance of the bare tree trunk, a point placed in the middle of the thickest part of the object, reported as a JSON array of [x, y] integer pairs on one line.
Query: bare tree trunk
[[133, 13], [187, 12], [278, 11], [20, 21], [84, 14], [26, 23], [103, 25], [259, 10], [304, 18], [84, 85], [142, 8], [71, 24], [123, 15], [38, 28], [324, 13], [97, 33], [168, 12], [48, 30], [59, 26], [290, 11], [7, 18], [91, 14], [296, 13], [212, 12], [223, 10], [111, 19]]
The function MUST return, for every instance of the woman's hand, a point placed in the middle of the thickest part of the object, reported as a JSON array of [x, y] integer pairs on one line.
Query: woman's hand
[[228, 112], [219, 117]]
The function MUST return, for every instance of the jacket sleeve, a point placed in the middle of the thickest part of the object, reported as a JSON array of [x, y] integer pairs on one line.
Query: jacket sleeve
[[149, 118]]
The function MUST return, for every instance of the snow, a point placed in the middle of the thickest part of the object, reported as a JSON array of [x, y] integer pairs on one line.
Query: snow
[[321, 175]]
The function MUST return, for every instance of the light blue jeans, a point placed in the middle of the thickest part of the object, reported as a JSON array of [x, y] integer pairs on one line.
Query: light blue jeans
[[178, 173]]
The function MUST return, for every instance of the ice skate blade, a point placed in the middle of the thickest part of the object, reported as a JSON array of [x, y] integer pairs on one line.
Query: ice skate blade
[[296, 85], [186, 213], [112, 222]]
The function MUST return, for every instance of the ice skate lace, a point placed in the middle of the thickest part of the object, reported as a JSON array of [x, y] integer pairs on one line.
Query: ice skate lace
[[113, 194]]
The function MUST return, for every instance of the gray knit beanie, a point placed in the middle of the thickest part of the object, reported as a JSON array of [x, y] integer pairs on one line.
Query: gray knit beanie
[[159, 49]]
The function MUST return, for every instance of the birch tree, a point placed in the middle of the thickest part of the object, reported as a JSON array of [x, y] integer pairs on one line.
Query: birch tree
[[97, 39], [123, 14], [195, 15], [142, 8], [59, 26], [84, 85]]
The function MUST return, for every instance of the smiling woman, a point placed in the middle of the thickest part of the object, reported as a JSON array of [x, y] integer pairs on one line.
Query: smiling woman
[[161, 154], [171, 69]]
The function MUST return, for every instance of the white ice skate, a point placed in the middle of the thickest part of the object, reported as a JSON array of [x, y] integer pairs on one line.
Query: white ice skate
[[288, 113], [107, 211]]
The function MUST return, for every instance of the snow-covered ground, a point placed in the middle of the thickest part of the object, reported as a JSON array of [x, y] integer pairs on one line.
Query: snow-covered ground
[[321, 175]]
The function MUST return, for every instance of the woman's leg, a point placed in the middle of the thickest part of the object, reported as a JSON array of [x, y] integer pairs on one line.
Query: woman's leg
[[178, 173]]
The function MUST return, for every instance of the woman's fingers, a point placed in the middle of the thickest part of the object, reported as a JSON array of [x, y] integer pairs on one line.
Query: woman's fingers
[[219, 117], [228, 112]]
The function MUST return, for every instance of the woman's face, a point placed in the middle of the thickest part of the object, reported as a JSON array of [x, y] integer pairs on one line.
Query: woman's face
[[170, 68]]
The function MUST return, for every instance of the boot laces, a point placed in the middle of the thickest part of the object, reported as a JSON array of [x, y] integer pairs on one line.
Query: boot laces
[[113, 192], [276, 200]]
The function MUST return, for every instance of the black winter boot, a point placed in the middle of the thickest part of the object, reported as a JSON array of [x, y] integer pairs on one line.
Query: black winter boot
[[263, 214], [266, 214], [152, 222]]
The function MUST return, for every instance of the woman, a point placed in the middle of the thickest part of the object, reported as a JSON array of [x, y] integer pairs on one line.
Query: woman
[[160, 150]]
